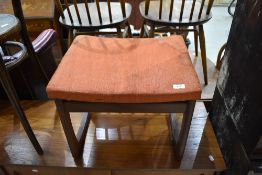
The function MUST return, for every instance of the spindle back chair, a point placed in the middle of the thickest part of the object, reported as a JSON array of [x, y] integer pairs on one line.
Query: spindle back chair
[[89, 17], [178, 16]]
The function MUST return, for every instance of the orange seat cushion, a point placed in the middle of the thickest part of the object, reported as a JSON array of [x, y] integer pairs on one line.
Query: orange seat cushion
[[117, 70]]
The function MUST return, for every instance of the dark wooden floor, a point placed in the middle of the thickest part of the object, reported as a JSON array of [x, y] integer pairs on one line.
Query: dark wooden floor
[[115, 141]]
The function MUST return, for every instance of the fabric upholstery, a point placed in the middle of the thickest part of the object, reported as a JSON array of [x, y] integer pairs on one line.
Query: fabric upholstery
[[117, 70], [44, 40]]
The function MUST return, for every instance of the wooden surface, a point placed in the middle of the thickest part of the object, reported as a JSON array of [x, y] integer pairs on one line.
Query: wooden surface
[[39, 15], [35, 9], [120, 142]]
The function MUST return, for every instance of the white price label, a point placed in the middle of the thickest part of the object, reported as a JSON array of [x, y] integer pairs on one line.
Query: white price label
[[179, 86]]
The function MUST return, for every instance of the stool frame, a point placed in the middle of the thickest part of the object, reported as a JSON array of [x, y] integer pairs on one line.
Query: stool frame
[[76, 141]]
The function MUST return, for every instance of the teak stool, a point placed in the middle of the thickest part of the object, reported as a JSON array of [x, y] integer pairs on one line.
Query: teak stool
[[124, 75]]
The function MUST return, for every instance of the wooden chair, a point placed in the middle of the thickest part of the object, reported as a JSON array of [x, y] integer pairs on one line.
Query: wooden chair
[[178, 16], [220, 56], [7, 63], [32, 85], [90, 17], [18, 12]]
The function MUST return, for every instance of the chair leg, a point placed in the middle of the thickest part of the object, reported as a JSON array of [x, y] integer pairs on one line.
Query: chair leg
[[142, 32], [3, 170], [196, 40], [203, 52], [10, 91], [119, 33], [220, 57], [30, 90], [70, 37], [129, 30], [152, 31], [75, 142]]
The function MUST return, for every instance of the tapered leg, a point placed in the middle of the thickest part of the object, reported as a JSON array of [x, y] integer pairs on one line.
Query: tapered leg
[[220, 57], [11, 93], [28, 86], [181, 137], [203, 52], [142, 32], [70, 37], [196, 40], [119, 33], [129, 31], [75, 141], [3, 170], [152, 31]]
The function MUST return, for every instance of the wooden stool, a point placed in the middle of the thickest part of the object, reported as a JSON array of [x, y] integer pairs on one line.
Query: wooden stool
[[124, 75]]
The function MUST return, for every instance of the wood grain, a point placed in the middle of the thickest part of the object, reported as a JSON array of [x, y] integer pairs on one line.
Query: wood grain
[[114, 141], [31, 8]]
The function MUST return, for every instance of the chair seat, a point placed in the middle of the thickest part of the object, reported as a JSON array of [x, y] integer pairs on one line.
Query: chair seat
[[153, 13], [117, 16], [115, 70]]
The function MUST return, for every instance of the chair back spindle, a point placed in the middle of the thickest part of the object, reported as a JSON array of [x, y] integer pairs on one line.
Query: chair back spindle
[[99, 11], [60, 8], [209, 6], [171, 10], [77, 12], [182, 10], [160, 9], [93, 14], [192, 10], [179, 9], [68, 11], [88, 12], [109, 10], [147, 4], [123, 7], [201, 9]]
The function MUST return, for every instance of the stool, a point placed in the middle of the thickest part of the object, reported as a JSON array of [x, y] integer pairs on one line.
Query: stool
[[124, 75]]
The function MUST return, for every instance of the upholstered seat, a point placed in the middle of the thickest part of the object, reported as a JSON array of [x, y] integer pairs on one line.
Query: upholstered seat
[[116, 70], [125, 71], [125, 75]]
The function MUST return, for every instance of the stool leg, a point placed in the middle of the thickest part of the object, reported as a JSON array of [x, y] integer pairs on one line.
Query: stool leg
[[10, 91], [203, 52], [75, 142], [185, 126], [196, 39]]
